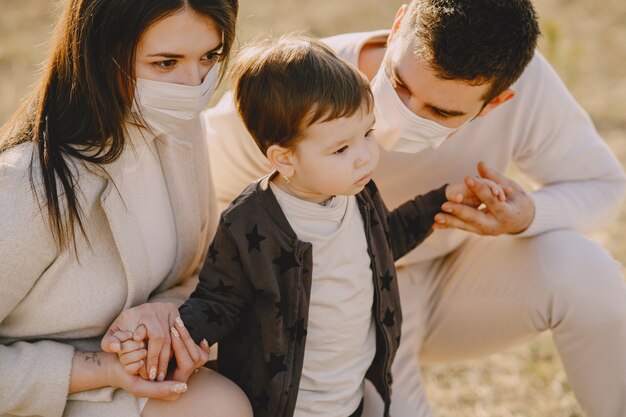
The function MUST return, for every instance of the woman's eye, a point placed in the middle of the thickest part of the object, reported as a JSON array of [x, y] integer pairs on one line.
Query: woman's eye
[[165, 65], [341, 150], [212, 57]]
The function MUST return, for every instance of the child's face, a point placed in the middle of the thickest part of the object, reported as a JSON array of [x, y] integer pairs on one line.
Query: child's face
[[335, 157]]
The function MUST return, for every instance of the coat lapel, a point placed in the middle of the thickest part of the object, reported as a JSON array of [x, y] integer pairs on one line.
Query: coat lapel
[[126, 234], [177, 161], [179, 169]]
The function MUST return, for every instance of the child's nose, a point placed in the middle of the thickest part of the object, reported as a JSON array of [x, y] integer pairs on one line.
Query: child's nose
[[364, 157]]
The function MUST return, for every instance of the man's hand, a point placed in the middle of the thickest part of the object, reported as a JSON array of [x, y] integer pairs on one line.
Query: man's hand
[[494, 217]]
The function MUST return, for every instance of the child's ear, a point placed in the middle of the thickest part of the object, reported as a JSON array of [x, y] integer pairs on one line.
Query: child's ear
[[281, 159]]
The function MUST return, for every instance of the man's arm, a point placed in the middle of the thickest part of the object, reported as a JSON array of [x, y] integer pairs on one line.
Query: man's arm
[[581, 183]]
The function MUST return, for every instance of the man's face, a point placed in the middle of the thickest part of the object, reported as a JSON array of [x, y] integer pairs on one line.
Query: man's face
[[449, 103]]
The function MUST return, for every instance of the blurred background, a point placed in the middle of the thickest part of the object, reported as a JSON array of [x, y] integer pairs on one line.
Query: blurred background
[[585, 40]]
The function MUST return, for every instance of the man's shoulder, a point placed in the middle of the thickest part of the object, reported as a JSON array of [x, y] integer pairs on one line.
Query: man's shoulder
[[348, 45]]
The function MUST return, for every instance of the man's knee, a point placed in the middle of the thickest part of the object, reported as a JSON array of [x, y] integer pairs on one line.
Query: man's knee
[[584, 281]]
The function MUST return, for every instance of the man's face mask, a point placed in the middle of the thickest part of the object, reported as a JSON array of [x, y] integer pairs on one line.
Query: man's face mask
[[398, 128]]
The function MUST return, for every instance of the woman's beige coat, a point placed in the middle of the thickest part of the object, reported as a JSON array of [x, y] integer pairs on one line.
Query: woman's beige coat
[[50, 303]]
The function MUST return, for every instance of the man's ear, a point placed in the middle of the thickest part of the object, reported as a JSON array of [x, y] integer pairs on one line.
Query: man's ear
[[281, 159], [501, 98], [397, 21]]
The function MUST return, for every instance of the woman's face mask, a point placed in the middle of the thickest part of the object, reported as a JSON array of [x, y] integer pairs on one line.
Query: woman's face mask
[[398, 128], [169, 108]]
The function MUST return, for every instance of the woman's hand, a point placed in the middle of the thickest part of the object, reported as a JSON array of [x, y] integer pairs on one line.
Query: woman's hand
[[151, 321], [139, 387], [91, 370], [188, 355]]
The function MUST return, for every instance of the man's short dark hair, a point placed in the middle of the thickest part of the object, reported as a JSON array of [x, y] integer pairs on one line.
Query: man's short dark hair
[[283, 87], [478, 41]]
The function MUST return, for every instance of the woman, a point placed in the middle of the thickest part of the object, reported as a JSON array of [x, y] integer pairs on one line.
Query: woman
[[105, 204]]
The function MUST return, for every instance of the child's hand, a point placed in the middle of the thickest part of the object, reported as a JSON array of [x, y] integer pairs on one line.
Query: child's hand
[[459, 193], [132, 354]]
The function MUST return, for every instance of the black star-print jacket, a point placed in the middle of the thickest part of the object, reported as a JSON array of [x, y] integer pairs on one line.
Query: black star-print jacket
[[254, 291]]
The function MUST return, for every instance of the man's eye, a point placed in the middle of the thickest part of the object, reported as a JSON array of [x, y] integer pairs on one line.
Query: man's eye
[[341, 150], [441, 114]]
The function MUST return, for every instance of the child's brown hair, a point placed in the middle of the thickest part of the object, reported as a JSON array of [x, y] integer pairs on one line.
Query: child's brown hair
[[283, 87]]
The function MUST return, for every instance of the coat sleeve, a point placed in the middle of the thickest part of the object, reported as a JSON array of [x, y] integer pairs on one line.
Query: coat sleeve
[[411, 223], [223, 290], [34, 376]]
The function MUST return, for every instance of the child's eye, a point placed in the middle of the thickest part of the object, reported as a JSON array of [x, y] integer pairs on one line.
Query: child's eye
[[369, 133], [165, 65], [341, 150]]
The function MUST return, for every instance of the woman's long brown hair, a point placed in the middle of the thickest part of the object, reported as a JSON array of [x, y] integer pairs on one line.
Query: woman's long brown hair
[[77, 111]]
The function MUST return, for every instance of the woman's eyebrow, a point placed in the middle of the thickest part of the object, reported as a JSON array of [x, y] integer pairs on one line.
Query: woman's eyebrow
[[175, 55]]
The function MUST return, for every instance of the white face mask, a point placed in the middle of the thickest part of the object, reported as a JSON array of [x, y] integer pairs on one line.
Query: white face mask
[[168, 107], [398, 128]]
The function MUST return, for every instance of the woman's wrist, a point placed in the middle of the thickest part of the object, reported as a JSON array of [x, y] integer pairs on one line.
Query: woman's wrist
[[91, 370]]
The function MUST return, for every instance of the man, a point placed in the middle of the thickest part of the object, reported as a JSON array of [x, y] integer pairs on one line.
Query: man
[[447, 76]]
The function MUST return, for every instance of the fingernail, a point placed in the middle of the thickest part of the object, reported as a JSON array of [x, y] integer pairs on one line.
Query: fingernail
[[179, 322], [447, 208], [204, 343], [175, 333], [152, 373], [471, 182], [440, 220], [115, 347], [179, 388], [161, 377]]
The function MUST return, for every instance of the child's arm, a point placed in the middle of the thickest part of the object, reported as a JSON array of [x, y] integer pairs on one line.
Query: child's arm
[[412, 222], [223, 291]]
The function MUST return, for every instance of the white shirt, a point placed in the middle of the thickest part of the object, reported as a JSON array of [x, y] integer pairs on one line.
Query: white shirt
[[144, 191], [341, 337]]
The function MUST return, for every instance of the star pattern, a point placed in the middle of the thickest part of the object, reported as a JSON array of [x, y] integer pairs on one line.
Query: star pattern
[[373, 222], [389, 319], [212, 317], [223, 288], [213, 253], [286, 260], [236, 259], [279, 309], [272, 308], [385, 281], [414, 225], [254, 239], [297, 331], [275, 365]]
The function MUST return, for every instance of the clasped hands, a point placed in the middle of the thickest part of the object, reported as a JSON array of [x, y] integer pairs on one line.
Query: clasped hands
[[490, 204], [145, 339]]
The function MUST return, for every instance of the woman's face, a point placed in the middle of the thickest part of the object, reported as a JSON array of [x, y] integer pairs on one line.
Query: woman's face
[[180, 48]]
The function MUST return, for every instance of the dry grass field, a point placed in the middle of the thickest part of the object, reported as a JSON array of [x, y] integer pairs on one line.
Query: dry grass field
[[584, 40]]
